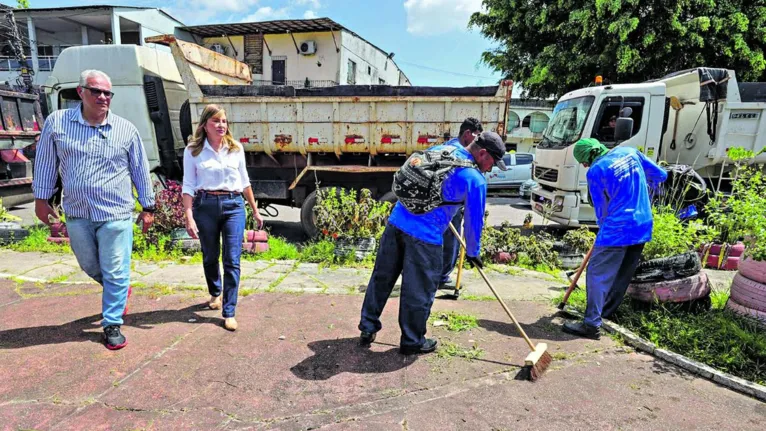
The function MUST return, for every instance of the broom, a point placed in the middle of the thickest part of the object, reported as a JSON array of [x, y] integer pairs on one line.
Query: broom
[[573, 281], [538, 360]]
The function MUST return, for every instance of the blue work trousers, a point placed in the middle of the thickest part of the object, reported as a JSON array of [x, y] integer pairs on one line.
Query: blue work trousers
[[221, 220], [451, 248], [609, 273], [420, 265]]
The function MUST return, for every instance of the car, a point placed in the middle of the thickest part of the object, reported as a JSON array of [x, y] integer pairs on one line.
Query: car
[[519, 170], [525, 191]]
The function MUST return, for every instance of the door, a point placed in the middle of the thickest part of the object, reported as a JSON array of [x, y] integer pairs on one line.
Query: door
[[522, 169], [499, 179], [278, 72]]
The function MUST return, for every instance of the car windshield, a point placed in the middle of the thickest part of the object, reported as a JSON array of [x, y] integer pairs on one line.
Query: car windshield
[[567, 123]]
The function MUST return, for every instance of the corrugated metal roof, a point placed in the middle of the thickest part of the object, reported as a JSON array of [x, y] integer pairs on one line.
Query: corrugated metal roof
[[266, 27], [17, 11]]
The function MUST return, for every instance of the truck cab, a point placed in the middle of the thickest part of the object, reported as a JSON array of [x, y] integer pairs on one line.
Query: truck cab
[[148, 91]]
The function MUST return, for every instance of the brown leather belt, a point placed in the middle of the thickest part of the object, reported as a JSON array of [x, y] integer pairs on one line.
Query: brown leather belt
[[220, 192]]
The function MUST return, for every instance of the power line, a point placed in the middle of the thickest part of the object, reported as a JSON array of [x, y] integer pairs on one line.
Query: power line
[[433, 69]]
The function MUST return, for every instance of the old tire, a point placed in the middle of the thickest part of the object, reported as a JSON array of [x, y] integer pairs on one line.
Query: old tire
[[728, 264], [735, 250], [186, 245], [668, 268], [749, 293], [12, 231], [185, 122], [256, 236], [746, 311], [389, 197], [753, 269], [684, 289]]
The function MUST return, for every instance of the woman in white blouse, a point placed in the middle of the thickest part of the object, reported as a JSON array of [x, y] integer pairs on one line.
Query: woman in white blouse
[[215, 178]]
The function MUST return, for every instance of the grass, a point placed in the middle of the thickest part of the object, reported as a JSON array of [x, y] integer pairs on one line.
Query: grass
[[718, 337], [279, 249], [449, 349], [469, 297], [455, 322], [38, 241]]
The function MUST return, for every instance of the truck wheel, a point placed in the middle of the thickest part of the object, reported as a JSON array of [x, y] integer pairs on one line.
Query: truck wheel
[[308, 219], [184, 120]]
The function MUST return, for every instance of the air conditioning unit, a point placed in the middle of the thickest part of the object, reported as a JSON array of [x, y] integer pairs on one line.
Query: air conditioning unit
[[308, 47], [217, 47]]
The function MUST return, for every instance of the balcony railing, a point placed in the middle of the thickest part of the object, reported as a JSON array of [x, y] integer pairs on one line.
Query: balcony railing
[[11, 64], [311, 83]]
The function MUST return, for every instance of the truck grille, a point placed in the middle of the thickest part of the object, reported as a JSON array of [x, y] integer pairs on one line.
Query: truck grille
[[546, 174]]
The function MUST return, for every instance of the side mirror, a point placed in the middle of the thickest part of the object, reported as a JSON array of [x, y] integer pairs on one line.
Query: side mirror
[[623, 129]]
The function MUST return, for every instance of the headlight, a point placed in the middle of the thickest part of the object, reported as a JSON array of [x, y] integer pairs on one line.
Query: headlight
[[558, 203]]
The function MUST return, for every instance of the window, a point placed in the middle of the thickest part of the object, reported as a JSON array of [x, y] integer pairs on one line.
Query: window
[[369, 70], [507, 159], [351, 72], [527, 120], [567, 124], [609, 110], [523, 159]]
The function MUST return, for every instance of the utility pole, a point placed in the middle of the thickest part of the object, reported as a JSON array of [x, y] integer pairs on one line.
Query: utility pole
[[10, 32]]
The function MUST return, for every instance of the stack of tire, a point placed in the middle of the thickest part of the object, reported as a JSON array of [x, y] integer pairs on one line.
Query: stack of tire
[[59, 234], [179, 238], [255, 241], [11, 231], [676, 279], [748, 290], [722, 256]]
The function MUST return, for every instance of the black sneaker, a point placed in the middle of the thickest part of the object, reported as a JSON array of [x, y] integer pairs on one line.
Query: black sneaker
[[114, 338], [448, 285], [428, 346], [366, 338], [582, 329]]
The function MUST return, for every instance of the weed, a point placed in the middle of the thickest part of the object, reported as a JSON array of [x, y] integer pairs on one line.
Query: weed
[[449, 349], [455, 322], [469, 297], [37, 240], [318, 252], [279, 249]]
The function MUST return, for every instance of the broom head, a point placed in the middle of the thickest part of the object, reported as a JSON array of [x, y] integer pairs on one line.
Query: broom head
[[538, 361]]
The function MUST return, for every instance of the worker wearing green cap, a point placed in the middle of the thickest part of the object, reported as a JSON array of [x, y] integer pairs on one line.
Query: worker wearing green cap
[[618, 186]]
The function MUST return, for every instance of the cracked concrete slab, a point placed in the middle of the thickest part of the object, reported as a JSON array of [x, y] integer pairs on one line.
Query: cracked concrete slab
[[56, 271], [175, 274]]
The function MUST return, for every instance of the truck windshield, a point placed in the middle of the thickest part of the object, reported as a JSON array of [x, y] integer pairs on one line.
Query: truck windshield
[[567, 123]]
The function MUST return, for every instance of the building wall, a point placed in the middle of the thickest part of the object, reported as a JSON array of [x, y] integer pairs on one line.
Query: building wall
[[372, 65], [152, 21], [320, 66]]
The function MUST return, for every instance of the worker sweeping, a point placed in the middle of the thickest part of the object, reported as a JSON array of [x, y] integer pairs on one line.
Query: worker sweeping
[[618, 184], [431, 187]]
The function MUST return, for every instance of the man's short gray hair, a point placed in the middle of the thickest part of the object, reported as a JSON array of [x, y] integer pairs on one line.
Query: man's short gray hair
[[92, 73]]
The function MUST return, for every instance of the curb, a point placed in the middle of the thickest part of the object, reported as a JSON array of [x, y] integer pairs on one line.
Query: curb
[[732, 382]]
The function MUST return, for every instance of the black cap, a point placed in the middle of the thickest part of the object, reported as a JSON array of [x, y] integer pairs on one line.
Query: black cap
[[493, 143]]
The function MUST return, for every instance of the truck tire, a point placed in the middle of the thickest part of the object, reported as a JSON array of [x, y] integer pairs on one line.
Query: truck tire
[[749, 293], [185, 122], [684, 289], [308, 219], [753, 269], [668, 268], [12, 232], [732, 305]]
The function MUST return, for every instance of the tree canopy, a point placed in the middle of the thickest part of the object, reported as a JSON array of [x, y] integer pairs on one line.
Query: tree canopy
[[554, 46]]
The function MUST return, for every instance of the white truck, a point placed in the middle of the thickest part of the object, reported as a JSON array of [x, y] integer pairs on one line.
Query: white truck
[[148, 91], [692, 117]]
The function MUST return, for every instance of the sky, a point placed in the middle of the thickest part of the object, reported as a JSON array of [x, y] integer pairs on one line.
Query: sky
[[430, 38]]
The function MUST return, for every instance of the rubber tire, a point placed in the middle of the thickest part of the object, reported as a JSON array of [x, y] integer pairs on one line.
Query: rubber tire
[[12, 232], [256, 236], [186, 245], [736, 250], [185, 122], [732, 305], [668, 268], [748, 293], [680, 290], [730, 264], [753, 269]]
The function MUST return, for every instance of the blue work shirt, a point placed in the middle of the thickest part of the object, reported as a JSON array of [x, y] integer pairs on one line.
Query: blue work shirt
[[618, 188], [455, 142], [461, 185]]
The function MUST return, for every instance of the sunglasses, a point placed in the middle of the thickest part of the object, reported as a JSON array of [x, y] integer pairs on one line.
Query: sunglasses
[[95, 92]]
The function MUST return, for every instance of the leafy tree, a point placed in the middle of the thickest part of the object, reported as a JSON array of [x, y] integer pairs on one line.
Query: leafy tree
[[22, 4], [555, 46]]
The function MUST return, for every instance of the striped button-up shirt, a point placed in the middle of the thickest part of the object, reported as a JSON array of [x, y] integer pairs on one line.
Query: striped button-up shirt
[[97, 166]]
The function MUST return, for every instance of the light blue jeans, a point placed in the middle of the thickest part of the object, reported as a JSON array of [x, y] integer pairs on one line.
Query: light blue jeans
[[103, 251]]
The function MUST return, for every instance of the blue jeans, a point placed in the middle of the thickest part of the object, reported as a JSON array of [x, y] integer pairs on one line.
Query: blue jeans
[[217, 217], [451, 247], [103, 251], [419, 263], [609, 273]]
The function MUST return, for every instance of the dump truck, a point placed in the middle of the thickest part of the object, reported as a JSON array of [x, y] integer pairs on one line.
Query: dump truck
[[22, 120], [298, 141], [691, 117]]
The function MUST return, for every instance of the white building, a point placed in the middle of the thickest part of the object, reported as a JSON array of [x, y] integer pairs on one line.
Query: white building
[[315, 52], [48, 31]]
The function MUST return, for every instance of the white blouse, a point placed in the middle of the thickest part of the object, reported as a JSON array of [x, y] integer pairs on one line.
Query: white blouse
[[212, 170]]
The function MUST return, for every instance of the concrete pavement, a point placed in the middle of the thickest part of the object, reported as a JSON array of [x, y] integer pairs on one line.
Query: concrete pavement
[[294, 362]]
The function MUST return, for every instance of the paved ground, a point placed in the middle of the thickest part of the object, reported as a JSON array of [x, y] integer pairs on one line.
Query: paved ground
[[294, 362]]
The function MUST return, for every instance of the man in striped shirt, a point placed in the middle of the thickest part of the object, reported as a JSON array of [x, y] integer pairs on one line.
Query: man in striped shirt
[[98, 156]]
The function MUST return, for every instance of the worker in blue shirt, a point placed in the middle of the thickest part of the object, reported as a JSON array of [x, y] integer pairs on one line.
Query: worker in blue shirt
[[411, 245], [469, 130], [618, 185]]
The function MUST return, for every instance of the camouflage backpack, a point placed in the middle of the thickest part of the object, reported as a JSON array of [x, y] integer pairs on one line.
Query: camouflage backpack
[[418, 183]]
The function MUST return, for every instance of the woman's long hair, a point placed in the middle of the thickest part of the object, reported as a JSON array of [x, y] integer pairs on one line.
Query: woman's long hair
[[198, 139]]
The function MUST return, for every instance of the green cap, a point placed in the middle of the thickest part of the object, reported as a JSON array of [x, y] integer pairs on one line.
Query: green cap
[[588, 150]]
